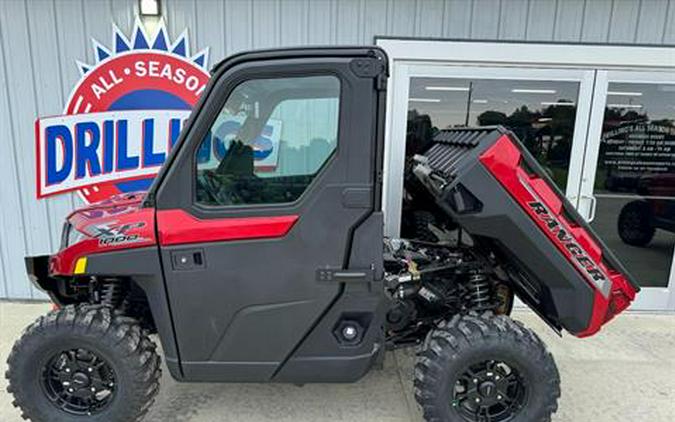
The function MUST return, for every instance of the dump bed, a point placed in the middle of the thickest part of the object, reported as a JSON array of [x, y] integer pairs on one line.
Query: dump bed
[[488, 183]]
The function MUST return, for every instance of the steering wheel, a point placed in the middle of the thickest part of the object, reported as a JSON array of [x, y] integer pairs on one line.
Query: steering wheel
[[219, 188]]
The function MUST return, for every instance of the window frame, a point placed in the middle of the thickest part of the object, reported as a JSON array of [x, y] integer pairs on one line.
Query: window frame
[[316, 175], [360, 94], [215, 210]]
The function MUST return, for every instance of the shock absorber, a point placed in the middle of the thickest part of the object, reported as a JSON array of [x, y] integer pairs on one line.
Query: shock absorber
[[112, 292], [480, 295]]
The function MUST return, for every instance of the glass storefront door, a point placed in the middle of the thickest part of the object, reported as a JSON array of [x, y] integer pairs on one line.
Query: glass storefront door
[[606, 138], [628, 184], [546, 108]]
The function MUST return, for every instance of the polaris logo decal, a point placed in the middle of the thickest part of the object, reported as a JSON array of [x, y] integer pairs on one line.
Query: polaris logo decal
[[559, 232], [123, 116]]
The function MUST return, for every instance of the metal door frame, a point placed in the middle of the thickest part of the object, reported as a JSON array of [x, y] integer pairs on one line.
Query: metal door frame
[[650, 298], [405, 72], [406, 56]]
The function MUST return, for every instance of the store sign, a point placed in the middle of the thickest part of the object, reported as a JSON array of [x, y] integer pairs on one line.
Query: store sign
[[122, 117], [639, 148]]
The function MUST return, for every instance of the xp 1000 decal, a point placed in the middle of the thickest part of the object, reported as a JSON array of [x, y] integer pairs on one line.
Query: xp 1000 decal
[[116, 234], [124, 116]]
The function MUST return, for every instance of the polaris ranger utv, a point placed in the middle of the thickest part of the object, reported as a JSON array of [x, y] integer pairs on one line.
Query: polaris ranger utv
[[281, 273]]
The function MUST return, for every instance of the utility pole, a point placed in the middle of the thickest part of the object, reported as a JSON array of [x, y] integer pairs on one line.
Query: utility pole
[[468, 105]]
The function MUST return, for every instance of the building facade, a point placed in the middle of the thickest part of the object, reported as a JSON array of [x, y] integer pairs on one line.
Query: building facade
[[588, 85]]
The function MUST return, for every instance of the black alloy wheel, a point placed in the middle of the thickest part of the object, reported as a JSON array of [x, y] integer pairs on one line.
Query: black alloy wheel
[[485, 368], [489, 390], [84, 363], [78, 381]]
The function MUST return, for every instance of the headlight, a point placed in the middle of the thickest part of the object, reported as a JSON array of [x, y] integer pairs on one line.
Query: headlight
[[64, 235], [74, 236], [70, 235]]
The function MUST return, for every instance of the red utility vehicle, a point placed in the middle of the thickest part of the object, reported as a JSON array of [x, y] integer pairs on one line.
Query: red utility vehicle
[[283, 275]]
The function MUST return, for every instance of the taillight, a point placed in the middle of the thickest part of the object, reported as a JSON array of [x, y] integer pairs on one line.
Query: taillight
[[621, 297]]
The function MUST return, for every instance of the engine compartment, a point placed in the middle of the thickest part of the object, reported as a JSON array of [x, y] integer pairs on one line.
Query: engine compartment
[[428, 282], [517, 228]]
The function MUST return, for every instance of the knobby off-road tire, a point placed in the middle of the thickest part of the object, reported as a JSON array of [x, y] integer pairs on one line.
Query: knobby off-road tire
[[57, 349], [634, 224], [422, 222], [449, 383]]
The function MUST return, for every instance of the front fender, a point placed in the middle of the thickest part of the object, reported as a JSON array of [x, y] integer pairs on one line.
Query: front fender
[[37, 268], [143, 266]]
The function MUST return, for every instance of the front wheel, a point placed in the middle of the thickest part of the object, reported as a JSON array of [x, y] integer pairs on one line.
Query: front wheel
[[83, 363], [486, 367]]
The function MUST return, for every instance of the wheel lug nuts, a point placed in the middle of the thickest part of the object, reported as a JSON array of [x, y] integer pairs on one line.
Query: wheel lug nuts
[[499, 397], [477, 400], [497, 377], [90, 369], [475, 380], [70, 390], [67, 369]]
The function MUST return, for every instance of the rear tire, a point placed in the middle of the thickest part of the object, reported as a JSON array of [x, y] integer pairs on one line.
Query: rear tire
[[635, 225], [475, 365], [422, 223], [67, 353]]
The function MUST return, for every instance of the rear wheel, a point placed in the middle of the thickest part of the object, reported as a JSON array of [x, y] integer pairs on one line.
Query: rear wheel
[[635, 225], [485, 368], [422, 222], [84, 363]]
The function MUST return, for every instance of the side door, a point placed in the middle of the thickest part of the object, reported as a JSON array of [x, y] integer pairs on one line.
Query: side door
[[269, 219]]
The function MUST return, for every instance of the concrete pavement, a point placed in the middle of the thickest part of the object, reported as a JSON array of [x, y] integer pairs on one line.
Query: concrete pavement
[[626, 373]]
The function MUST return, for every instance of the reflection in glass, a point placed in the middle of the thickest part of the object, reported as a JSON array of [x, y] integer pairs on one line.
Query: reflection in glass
[[269, 141], [635, 179], [541, 113]]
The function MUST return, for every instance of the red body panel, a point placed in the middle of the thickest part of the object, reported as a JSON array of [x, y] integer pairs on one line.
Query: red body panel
[[176, 227], [541, 203], [120, 223], [115, 224]]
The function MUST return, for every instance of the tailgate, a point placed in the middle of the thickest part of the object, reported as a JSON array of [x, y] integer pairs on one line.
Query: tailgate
[[495, 190]]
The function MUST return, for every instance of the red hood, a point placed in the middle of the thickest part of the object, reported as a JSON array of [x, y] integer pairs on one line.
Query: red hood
[[113, 206], [116, 223]]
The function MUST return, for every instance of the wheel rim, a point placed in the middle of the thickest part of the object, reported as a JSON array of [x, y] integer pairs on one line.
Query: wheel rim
[[78, 381], [489, 391]]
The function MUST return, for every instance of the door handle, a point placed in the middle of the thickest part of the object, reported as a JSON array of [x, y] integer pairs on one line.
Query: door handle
[[345, 276], [594, 203], [187, 259]]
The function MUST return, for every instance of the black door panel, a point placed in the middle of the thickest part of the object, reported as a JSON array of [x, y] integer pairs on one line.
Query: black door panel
[[256, 305]]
